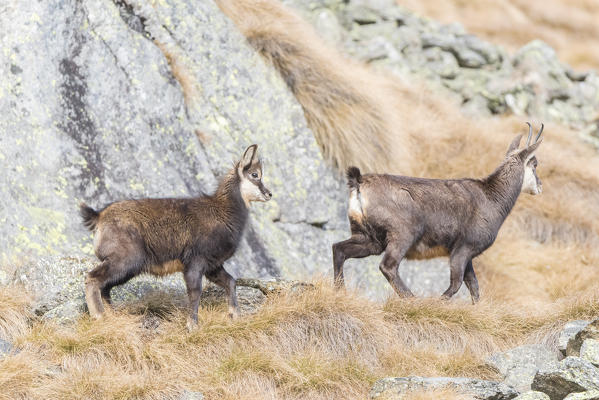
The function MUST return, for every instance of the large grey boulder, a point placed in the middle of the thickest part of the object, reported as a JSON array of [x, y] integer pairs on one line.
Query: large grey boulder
[[571, 375], [395, 388], [519, 366], [591, 331], [569, 331]]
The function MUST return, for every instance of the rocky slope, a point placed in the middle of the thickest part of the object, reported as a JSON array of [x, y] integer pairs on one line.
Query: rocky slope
[[482, 77]]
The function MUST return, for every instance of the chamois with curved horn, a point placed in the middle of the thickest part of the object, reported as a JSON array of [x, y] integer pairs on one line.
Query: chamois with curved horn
[[418, 218]]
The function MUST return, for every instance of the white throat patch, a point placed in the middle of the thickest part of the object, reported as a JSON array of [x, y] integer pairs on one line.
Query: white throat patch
[[529, 183]]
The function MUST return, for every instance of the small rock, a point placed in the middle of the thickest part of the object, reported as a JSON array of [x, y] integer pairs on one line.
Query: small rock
[[520, 365], [5, 348], [569, 331], [270, 286], [393, 388], [572, 374], [532, 395], [591, 331], [590, 351], [590, 395], [190, 395]]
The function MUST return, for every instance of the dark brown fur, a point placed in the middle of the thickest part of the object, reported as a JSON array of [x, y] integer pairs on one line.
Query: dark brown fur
[[419, 218], [160, 236]]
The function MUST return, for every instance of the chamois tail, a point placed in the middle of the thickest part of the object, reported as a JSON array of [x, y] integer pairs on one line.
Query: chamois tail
[[354, 177], [89, 215]]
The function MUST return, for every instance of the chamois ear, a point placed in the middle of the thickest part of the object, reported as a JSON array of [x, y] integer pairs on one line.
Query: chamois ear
[[514, 145], [248, 156], [527, 153]]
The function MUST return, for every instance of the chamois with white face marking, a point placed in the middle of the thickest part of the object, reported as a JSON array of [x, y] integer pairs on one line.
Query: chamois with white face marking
[[418, 218], [161, 236]]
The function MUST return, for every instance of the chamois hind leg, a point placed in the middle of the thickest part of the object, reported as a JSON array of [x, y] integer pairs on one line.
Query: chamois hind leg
[[192, 273], [101, 279], [92, 290], [223, 279], [358, 246], [457, 263], [471, 282], [389, 266]]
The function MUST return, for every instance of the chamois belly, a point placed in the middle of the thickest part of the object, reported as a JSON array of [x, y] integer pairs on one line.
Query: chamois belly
[[422, 251], [166, 268]]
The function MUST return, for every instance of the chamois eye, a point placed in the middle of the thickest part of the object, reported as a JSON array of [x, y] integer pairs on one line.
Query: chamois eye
[[254, 175]]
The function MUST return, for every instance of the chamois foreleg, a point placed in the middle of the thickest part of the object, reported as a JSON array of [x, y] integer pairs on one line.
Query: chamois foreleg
[[457, 263], [223, 279], [389, 266], [358, 246], [471, 282], [192, 274]]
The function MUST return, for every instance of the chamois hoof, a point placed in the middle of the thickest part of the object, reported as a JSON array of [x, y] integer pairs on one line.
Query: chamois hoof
[[191, 325], [233, 314]]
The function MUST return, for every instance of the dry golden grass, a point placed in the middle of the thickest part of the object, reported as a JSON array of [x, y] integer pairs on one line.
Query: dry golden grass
[[317, 344], [568, 26]]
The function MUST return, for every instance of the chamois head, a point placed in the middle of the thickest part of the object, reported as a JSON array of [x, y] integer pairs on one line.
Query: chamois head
[[531, 183], [250, 174]]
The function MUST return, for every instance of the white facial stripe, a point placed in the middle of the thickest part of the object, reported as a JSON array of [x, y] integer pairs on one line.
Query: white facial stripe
[[250, 191]]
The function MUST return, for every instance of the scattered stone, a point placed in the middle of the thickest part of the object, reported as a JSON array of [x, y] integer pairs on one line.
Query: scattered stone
[[269, 286], [190, 395], [591, 331], [569, 331], [532, 395], [572, 374], [519, 366], [393, 388], [590, 395], [5, 348], [590, 351], [531, 82]]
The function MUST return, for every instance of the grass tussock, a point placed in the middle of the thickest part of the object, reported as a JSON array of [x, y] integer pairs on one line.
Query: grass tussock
[[317, 344]]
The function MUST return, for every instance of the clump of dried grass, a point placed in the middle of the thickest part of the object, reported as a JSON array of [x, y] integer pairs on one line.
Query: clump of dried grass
[[319, 343]]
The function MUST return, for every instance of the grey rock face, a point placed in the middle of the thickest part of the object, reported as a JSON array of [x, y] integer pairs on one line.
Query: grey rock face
[[107, 100], [532, 395], [569, 331], [590, 351], [520, 365], [591, 331], [393, 388], [590, 395], [571, 375]]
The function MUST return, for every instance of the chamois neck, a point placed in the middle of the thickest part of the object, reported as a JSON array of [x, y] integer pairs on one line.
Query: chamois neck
[[228, 192], [504, 184]]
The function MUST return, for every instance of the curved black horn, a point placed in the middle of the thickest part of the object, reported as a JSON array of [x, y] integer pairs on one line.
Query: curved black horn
[[529, 134], [539, 134]]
